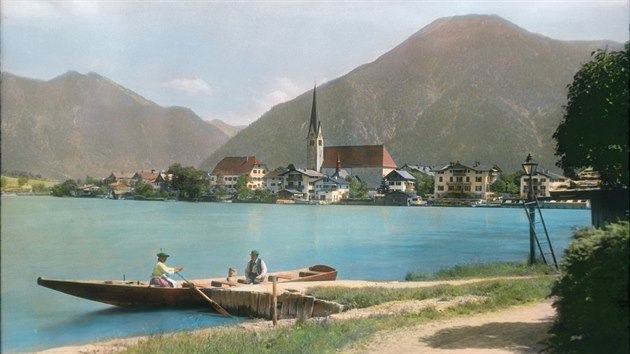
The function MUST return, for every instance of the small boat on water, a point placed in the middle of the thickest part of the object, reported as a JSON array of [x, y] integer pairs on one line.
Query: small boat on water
[[137, 293]]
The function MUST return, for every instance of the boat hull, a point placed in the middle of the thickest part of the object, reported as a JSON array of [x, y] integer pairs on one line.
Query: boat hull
[[140, 294]]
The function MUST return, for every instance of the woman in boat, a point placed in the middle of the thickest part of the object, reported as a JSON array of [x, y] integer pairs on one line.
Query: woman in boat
[[255, 269], [161, 272]]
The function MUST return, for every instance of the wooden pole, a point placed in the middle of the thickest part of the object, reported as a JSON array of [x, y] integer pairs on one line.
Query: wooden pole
[[274, 302], [214, 304]]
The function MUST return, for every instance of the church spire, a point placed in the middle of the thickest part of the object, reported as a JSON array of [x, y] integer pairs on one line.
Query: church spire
[[315, 139], [314, 124]]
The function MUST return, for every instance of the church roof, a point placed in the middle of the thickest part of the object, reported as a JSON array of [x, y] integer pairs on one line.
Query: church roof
[[358, 156]]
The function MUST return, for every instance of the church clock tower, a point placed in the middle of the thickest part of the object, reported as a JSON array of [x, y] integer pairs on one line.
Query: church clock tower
[[314, 139]]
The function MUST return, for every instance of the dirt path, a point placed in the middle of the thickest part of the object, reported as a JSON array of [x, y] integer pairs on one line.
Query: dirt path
[[518, 330]]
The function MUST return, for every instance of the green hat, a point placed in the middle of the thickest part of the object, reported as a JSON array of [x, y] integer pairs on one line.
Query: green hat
[[162, 254], [254, 253]]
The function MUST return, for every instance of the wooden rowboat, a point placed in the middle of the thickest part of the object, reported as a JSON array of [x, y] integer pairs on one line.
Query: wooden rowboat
[[136, 293]]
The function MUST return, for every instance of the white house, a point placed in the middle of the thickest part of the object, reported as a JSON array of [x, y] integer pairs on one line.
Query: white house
[[456, 179]]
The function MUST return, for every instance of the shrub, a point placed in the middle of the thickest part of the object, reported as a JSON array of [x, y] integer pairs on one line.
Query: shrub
[[592, 293]]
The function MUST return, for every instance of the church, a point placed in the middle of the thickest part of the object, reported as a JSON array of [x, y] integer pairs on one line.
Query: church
[[368, 163]]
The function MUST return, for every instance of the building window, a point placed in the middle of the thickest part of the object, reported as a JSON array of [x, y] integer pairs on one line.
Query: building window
[[477, 188], [440, 178], [477, 179], [440, 188]]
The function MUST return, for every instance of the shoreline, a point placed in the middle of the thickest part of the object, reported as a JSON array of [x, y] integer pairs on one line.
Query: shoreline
[[119, 344]]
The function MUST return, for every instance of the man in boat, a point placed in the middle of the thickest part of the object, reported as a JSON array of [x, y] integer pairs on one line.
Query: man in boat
[[161, 272], [255, 270]]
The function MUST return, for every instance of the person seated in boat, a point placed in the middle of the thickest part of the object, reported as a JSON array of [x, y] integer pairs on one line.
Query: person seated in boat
[[232, 276], [255, 270], [161, 272]]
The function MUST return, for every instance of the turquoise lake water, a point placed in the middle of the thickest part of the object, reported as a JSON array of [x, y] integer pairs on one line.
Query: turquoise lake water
[[111, 239]]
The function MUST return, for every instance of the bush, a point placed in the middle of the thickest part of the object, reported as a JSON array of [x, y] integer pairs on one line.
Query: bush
[[592, 293]]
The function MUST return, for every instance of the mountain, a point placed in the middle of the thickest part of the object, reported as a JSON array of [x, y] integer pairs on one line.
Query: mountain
[[77, 125], [468, 88], [229, 130]]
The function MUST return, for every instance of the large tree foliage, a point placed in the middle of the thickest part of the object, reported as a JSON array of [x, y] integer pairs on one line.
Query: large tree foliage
[[594, 132]]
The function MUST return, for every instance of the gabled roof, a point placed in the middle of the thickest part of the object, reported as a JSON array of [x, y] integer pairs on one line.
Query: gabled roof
[[307, 172], [475, 167], [273, 174], [123, 175], [358, 156], [147, 176], [403, 174], [236, 165]]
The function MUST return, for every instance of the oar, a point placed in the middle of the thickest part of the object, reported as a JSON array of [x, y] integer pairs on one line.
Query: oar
[[214, 304]]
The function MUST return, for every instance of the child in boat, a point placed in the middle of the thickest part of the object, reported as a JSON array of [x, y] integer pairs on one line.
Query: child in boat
[[232, 276], [161, 272]]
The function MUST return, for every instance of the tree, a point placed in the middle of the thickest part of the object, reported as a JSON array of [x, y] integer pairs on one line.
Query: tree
[[509, 184], [67, 188], [189, 181], [358, 188], [594, 131], [424, 183], [384, 187], [242, 192]]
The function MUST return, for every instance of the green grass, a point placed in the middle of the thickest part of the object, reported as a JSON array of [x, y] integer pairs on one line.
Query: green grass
[[483, 270], [323, 336]]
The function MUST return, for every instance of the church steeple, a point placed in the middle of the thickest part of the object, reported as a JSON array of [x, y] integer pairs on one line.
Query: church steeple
[[314, 124], [314, 139]]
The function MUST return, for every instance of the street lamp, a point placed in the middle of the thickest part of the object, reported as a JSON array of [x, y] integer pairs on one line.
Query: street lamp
[[529, 166]]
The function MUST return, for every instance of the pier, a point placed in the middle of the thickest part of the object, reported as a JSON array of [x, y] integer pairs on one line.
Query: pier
[[258, 301]]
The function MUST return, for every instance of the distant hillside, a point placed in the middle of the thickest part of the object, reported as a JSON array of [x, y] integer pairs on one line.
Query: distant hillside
[[470, 88], [77, 125], [229, 130]]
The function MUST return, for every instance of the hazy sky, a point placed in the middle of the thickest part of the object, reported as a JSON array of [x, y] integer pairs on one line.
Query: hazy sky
[[234, 60]]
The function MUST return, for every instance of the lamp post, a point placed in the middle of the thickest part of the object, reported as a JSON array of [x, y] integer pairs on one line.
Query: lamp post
[[529, 166]]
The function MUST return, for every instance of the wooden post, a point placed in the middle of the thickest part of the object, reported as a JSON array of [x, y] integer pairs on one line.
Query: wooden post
[[274, 303]]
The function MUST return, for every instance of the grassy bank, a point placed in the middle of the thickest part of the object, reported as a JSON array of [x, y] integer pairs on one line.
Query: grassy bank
[[325, 336]]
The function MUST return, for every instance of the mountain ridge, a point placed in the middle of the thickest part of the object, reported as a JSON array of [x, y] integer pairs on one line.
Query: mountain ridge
[[75, 125], [460, 88]]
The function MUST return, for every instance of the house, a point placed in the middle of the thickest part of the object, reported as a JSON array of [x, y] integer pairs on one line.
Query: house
[[544, 182], [332, 189], [228, 170], [302, 181], [148, 178], [274, 182], [397, 198], [401, 181], [456, 180], [124, 177], [369, 163]]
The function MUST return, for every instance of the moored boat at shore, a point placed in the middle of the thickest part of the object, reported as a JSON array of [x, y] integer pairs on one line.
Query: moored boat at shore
[[136, 293]]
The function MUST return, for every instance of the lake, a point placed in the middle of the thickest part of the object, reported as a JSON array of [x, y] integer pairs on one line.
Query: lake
[[115, 239]]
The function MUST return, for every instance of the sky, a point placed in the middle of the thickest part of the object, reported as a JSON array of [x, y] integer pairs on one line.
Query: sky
[[234, 60]]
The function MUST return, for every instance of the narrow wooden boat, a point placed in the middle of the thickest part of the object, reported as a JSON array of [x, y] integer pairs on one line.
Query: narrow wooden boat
[[136, 293]]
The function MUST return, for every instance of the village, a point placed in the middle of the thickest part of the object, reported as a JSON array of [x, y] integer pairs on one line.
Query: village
[[333, 173]]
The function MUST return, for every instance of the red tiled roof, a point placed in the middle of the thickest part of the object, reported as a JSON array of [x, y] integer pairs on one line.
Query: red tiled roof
[[358, 156], [148, 176], [236, 165]]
